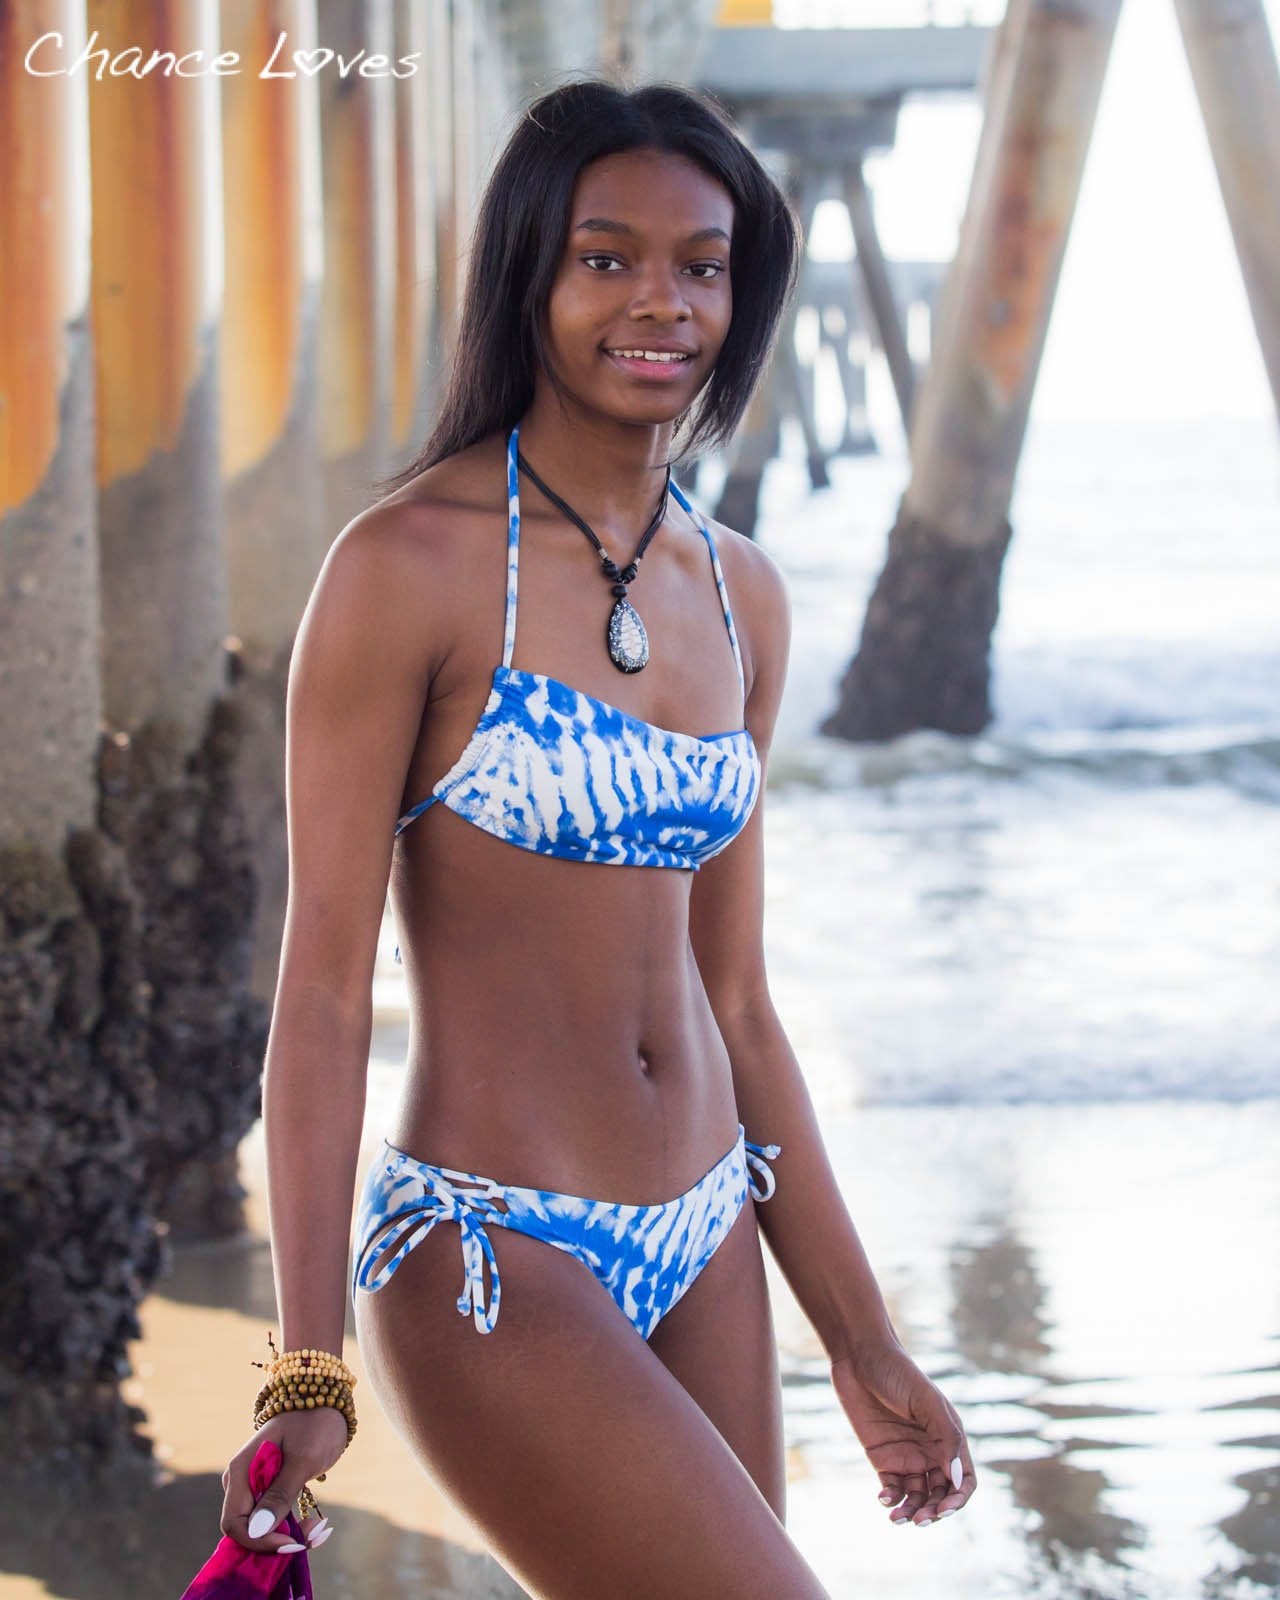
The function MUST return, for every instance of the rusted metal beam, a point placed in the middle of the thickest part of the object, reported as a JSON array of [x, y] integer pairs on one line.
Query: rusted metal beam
[[1233, 66], [923, 657]]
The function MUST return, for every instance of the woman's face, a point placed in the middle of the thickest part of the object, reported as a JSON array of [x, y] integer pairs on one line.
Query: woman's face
[[642, 301]]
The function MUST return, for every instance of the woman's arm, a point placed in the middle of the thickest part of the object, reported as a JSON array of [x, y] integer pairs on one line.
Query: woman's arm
[[357, 682], [806, 1222], [364, 656], [911, 1433]]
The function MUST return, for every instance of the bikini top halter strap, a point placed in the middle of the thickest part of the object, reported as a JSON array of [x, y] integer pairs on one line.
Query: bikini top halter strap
[[513, 557]]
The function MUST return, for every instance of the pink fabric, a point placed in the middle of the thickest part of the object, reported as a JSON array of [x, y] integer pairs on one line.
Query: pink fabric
[[234, 1573]]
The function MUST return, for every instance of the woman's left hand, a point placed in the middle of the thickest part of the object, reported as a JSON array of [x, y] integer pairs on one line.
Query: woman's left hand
[[909, 1429]]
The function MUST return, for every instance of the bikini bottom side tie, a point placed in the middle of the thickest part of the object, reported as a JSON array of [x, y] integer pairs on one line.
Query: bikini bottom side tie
[[646, 1256], [412, 1199]]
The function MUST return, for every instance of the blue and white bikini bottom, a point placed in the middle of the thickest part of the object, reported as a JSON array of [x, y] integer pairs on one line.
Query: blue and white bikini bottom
[[647, 1257]]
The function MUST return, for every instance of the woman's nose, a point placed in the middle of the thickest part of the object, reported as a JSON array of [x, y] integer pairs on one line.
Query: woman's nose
[[660, 293]]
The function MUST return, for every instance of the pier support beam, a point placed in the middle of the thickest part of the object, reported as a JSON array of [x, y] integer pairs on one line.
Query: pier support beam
[[416, 193], [273, 489], [754, 447], [756, 443], [874, 272], [922, 660], [1233, 66], [357, 153], [168, 797], [78, 1246]]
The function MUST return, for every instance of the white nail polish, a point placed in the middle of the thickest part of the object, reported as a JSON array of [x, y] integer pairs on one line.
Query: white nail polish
[[289, 1549], [949, 1512], [957, 1472], [262, 1521], [320, 1538], [319, 1528]]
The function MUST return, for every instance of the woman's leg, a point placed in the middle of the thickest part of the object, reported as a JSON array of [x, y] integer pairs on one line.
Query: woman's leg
[[590, 1469], [718, 1341]]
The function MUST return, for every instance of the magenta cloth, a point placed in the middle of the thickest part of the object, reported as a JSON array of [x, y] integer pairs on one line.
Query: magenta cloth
[[234, 1573]]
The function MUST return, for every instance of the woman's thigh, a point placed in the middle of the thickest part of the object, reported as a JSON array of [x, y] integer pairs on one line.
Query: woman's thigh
[[590, 1469], [718, 1342]]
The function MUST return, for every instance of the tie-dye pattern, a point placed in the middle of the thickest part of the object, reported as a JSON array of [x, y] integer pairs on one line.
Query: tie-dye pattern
[[557, 771], [647, 1257]]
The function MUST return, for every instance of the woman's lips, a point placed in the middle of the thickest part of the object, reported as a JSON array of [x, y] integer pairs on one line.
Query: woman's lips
[[654, 371]]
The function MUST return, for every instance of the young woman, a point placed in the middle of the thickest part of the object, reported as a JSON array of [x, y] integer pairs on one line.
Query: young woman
[[563, 680]]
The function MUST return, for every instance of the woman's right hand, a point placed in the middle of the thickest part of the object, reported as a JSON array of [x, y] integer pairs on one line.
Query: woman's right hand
[[311, 1442]]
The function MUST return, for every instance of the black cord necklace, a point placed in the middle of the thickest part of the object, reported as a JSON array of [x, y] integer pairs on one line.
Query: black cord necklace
[[625, 635]]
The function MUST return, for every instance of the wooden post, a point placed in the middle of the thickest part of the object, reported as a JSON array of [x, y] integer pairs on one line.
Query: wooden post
[[275, 528], [358, 286], [164, 599], [1233, 65], [805, 190], [77, 1089], [874, 272], [169, 798], [50, 686], [838, 327], [415, 238], [756, 442], [923, 657], [449, 234], [754, 445], [798, 383]]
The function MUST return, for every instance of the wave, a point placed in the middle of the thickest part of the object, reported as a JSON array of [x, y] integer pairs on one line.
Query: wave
[[1245, 759]]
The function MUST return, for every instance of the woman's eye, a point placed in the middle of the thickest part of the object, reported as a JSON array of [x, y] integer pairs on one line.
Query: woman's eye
[[707, 269], [610, 261]]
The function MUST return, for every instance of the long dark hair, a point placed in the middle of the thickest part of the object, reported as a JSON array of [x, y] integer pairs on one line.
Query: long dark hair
[[519, 242]]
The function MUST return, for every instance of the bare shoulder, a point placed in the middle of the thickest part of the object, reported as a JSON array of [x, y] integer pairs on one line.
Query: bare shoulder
[[429, 520], [402, 566]]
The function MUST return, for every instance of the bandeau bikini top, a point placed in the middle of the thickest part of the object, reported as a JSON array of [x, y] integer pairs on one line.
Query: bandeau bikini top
[[557, 771]]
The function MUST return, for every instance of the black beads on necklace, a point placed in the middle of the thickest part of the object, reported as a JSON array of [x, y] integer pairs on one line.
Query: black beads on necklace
[[625, 636]]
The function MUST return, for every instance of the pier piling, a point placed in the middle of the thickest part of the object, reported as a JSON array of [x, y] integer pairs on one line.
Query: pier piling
[[922, 660]]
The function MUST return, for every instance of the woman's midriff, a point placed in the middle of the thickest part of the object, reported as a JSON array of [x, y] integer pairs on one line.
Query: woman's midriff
[[561, 1037]]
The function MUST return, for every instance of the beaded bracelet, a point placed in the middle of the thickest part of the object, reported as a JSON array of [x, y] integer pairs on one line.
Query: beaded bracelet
[[273, 1398], [302, 1380], [305, 1363]]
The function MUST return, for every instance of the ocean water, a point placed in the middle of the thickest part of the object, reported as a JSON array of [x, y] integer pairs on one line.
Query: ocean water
[[1033, 978], [1082, 902]]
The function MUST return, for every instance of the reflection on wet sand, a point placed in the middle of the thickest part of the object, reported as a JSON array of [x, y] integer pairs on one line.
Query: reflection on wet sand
[[998, 1304], [138, 1539], [1022, 1247], [1073, 1276], [1001, 1326], [394, 1534], [1254, 1529]]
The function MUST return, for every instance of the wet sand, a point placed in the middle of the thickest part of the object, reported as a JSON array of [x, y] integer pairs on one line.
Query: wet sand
[[1095, 1286]]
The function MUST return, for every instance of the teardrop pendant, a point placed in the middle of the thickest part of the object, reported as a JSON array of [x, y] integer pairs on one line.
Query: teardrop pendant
[[628, 642]]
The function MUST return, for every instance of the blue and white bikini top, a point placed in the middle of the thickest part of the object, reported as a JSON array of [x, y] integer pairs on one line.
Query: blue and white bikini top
[[561, 773]]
